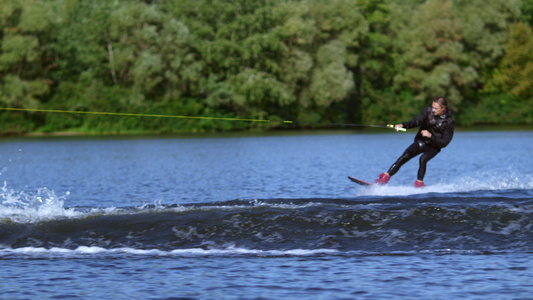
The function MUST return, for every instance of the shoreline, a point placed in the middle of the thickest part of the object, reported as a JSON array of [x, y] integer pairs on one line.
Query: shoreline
[[254, 132]]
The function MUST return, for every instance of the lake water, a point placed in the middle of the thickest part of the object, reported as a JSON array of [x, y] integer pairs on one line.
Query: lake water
[[265, 217]]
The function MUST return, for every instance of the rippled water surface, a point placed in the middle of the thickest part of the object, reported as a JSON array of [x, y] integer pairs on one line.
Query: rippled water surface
[[247, 217]]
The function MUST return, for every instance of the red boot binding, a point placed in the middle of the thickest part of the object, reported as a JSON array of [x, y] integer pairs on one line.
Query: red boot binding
[[419, 184], [383, 179]]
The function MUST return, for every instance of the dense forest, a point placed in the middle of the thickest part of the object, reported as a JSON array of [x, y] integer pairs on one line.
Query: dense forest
[[313, 62]]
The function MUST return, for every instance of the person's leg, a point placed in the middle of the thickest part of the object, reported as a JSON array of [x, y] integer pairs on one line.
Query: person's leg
[[429, 153], [409, 153]]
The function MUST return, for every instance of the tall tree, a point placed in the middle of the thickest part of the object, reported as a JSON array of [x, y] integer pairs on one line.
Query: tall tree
[[24, 52], [151, 52], [83, 75], [339, 29], [448, 45], [242, 46], [516, 68], [376, 69]]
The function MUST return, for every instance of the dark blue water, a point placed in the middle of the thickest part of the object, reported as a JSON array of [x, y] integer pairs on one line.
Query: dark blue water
[[270, 217]]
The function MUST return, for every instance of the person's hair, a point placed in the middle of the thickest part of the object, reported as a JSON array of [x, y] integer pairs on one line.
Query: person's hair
[[441, 101]]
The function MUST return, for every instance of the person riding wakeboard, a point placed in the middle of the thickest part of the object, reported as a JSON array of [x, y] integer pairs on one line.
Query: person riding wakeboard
[[436, 132]]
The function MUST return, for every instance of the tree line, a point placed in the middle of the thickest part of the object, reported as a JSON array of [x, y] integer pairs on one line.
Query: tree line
[[313, 62]]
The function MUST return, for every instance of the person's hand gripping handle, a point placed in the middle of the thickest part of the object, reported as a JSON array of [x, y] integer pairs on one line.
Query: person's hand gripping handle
[[397, 127]]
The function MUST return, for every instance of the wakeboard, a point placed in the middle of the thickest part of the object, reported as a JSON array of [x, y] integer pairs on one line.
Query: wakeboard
[[361, 182]]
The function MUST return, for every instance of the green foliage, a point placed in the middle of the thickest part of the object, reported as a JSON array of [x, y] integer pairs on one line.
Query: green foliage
[[23, 53], [497, 109], [313, 62], [432, 53], [509, 91], [449, 44], [388, 107], [331, 81], [16, 92], [527, 11], [516, 68], [18, 49]]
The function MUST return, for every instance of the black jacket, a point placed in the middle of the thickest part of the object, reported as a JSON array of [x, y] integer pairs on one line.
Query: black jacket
[[441, 127]]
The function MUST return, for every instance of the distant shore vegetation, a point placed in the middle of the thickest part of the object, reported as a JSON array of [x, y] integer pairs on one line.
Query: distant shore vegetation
[[312, 62]]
